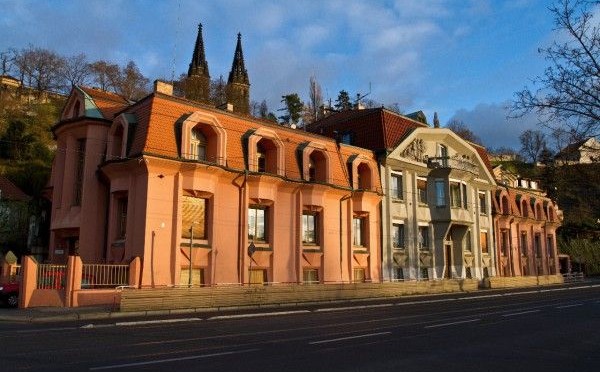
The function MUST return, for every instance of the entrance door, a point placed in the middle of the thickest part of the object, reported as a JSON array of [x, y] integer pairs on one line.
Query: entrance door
[[448, 273]]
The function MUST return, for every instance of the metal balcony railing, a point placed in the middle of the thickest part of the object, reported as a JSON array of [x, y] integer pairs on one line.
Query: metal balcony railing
[[452, 163]]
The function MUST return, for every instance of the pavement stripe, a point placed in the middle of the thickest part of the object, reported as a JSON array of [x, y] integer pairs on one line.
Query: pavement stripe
[[161, 321], [348, 338], [567, 306], [452, 323], [521, 313], [116, 366], [255, 315]]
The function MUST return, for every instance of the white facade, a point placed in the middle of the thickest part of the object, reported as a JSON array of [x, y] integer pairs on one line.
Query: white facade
[[436, 212]]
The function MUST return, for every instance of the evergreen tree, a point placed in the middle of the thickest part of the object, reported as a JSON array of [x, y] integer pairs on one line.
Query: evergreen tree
[[342, 103]]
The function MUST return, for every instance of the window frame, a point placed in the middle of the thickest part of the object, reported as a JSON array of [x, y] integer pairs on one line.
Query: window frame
[[398, 240], [422, 192], [440, 193], [484, 242], [482, 201], [359, 222], [423, 239], [266, 223], [397, 186], [316, 220]]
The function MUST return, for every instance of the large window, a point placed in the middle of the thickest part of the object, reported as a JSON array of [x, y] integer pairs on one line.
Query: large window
[[359, 231], [398, 235], [455, 195], [310, 228], [422, 190], [482, 203], [193, 218], [396, 189], [198, 145], [537, 243], [504, 242], [440, 193], [550, 245], [310, 276], [483, 240], [121, 218], [79, 172], [257, 224], [468, 244], [524, 247], [398, 273], [423, 237]]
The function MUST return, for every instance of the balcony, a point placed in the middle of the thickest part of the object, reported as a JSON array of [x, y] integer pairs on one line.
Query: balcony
[[448, 162]]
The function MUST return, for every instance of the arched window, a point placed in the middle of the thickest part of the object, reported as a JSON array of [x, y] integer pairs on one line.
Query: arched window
[[538, 212], [198, 144], [550, 213], [266, 156], [524, 211], [317, 167], [363, 176]]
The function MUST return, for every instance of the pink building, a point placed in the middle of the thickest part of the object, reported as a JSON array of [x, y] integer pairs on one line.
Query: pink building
[[525, 223], [259, 202]]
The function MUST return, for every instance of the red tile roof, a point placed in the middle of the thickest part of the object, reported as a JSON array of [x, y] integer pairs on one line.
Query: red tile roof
[[108, 103], [9, 190], [374, 129]]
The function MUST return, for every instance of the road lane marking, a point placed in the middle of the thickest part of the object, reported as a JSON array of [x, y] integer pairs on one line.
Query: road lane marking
[[127, 365], [348, 338], [452, 323], [256, 315], [162, 321], [521, 313], [40, 330], [567, 306]]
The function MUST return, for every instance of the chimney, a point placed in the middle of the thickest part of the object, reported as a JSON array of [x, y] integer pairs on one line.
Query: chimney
[[230, 107], [162, 87]]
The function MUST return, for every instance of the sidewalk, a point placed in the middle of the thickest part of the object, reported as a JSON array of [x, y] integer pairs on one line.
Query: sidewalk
[[61, 314]]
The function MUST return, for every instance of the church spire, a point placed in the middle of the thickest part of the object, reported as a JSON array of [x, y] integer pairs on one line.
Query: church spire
[[197, 84], [238, 84], [238, 73], [199, 66]]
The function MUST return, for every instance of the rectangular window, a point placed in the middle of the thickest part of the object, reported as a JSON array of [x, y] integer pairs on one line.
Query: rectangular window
[[258, 276], [550, 245], [440, 193], [482, 203], [504, 242], [537, 242], [398, 237], [257, 224], [121, 218], [397, 190], [424, 273], [423, 237], [483, 240], [398, 273], [310, 230], [359, 275], [79, 170], [193, 218], [524, 247], [455, 195], [310, 276], [358, 229], [464, 196], [422, 190], [468, 245]]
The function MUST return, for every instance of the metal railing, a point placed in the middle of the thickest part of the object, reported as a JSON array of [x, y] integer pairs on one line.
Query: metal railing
[[51, 276], [573, 277], [104, 276], [452, 162]]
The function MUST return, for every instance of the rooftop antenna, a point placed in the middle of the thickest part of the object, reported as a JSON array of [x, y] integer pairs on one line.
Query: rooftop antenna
[[359, 97]]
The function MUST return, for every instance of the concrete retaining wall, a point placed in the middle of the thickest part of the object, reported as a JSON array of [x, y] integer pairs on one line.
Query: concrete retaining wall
[[524, 281]]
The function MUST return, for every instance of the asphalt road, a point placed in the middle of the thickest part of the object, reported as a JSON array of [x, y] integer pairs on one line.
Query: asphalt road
[[553, 330]]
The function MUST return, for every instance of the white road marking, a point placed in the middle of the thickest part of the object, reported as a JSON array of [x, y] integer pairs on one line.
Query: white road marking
[[452, 323], [328, 309], [567, 306], [348, 338], [115, 366], [162, 321], [521, 313], [255, 315], [40, 330]]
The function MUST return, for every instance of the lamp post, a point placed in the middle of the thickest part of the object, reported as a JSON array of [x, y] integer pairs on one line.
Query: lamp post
[[191, 243]]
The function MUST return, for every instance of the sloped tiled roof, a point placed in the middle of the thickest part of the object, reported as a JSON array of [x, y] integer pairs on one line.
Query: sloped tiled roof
[[374, 129], [108, 103], [159, 119], [483, 154], [9, 190]]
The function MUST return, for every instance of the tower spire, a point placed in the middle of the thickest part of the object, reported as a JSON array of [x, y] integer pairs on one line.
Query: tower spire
[[199, 66], [197, 84], [238, 84]]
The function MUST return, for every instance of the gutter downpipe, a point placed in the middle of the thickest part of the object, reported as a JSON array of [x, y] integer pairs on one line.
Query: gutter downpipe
[[241, 204], [344, 198]]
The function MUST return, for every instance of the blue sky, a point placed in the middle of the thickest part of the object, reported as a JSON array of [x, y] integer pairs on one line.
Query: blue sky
[[463, 59]]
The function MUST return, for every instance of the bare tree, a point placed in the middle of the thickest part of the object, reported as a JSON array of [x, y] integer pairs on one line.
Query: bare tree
[[105, 74], [461, 129], [38, 68], [7, 59], [133, 85], [315, 101], [533, 142], [567, 95], [75, 71], [218, 95]]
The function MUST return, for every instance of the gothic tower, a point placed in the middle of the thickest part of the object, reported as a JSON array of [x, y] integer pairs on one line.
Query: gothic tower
[[197, 85], [238, 84]]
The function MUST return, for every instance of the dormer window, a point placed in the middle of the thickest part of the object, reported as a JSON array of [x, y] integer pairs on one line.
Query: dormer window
[[312, 170], [76, 109], [265, 152], [363, 178], [198, 145], [261, 158]]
